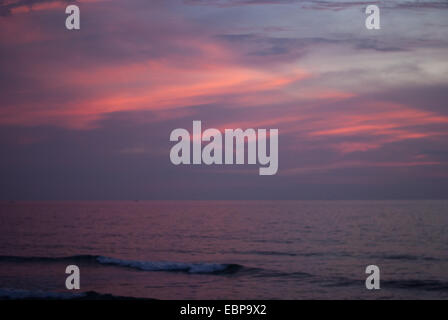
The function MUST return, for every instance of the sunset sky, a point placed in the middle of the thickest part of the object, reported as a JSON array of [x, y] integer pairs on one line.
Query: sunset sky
[[87, 114]]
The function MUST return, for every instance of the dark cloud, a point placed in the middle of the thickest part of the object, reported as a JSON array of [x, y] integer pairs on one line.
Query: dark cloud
[[6, 6], [294, 48]]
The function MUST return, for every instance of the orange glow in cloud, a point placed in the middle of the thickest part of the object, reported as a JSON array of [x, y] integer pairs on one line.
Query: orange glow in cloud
[[213, 74], [386, 122], [157, 85], [51, 5], [194, 88], [20, 9]]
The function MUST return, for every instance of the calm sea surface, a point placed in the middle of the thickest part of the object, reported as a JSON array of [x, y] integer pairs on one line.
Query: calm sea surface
[[226, 249]]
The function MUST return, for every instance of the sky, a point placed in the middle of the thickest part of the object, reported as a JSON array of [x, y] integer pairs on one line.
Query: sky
[[87, 114]]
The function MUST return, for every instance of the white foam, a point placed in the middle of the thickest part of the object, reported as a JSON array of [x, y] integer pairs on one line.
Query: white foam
[[165, 266]]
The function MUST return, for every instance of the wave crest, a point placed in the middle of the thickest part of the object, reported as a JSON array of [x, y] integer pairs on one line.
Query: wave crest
[[170, 266], [210, 268]]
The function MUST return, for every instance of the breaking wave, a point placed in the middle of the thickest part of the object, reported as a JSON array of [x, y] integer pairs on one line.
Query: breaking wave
[[199, 268]]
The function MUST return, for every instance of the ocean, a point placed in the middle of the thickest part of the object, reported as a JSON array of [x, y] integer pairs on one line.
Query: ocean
[[225, 249]]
